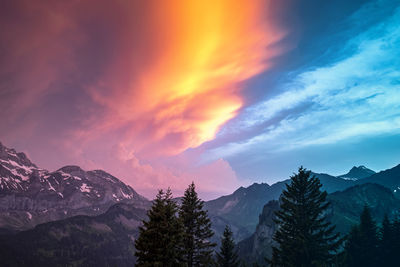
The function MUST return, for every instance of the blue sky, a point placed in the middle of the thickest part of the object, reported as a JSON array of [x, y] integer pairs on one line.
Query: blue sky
[[337, 106]]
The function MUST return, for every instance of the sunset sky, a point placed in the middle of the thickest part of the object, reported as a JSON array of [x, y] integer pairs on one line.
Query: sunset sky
[[223, 93]]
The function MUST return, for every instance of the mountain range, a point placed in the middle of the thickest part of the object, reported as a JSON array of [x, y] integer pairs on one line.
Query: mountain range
[[71, 208], [30, 195], [344, 211], [245, 204]]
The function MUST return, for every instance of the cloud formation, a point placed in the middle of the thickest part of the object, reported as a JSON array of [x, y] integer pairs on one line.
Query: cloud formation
[[79, 78], [354, 97], [188, 85]]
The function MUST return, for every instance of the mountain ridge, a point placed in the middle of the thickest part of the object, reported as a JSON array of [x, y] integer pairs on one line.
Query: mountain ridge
[[344, 211], [357, 173], [30, 195]]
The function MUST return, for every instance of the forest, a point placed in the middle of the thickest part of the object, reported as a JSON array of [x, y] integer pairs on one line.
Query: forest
[[178, 234]]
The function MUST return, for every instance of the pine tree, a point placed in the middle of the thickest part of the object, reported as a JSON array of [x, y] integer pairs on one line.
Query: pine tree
[[161, 236], [396, 237], [197, 248], [361, 248], [352, 247], [387, 255], [304, 236], [228, 256]]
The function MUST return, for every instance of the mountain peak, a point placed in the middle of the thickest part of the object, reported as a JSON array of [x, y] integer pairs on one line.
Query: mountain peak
[[70, 169], [361, 167], [357, 173]]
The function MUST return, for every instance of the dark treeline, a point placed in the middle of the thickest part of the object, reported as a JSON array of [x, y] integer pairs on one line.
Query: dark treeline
[[369, 245], [178, 235]]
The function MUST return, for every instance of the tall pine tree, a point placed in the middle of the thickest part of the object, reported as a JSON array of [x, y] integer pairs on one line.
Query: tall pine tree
[[362, 245], [395, 237], [387, 254], [228, 256], [161, 236], [304, 236], [197, 247]]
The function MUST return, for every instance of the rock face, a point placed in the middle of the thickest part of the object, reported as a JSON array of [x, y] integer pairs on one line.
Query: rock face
[[259, 245], [102, 240], [245, 205], [30, 195]]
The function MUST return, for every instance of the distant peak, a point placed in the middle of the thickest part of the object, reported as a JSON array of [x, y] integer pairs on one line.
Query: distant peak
[[359, 172], [11, 154], [361, 167], [70, 168]]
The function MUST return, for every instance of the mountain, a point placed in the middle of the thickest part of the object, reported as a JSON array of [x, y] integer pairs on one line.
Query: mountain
[[357, 173], [244, 206], [102, 240], [347, 206], [345, 210], [30, 195], [259, 244], [389, 178]]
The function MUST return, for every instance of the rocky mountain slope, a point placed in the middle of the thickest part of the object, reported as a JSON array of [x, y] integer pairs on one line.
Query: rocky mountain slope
[[259, 244], [245, 204], [30, 195], [102, 240], [345, 209]]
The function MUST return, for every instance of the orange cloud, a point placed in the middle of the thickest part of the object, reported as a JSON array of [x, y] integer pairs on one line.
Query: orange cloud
[[157, 77], [185, 84]]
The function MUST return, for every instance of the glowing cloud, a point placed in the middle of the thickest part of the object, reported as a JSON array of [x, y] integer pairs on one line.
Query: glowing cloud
[[155, 77], [189, 81]]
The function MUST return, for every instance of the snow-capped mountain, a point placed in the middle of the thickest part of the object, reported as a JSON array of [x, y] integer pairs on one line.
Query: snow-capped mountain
[[357, 173], [30, 195]]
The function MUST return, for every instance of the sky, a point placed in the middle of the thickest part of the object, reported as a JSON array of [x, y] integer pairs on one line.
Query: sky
[[223, 93]]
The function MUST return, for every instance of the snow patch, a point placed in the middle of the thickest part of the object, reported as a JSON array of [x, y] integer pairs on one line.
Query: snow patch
[[85, 188], [125, 195], [66, 176], [25, 168], [15, 172], [349, 178], [29, 215], [50, 186]]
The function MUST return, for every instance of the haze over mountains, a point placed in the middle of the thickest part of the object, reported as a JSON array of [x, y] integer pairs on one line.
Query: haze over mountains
[[79, 207]]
